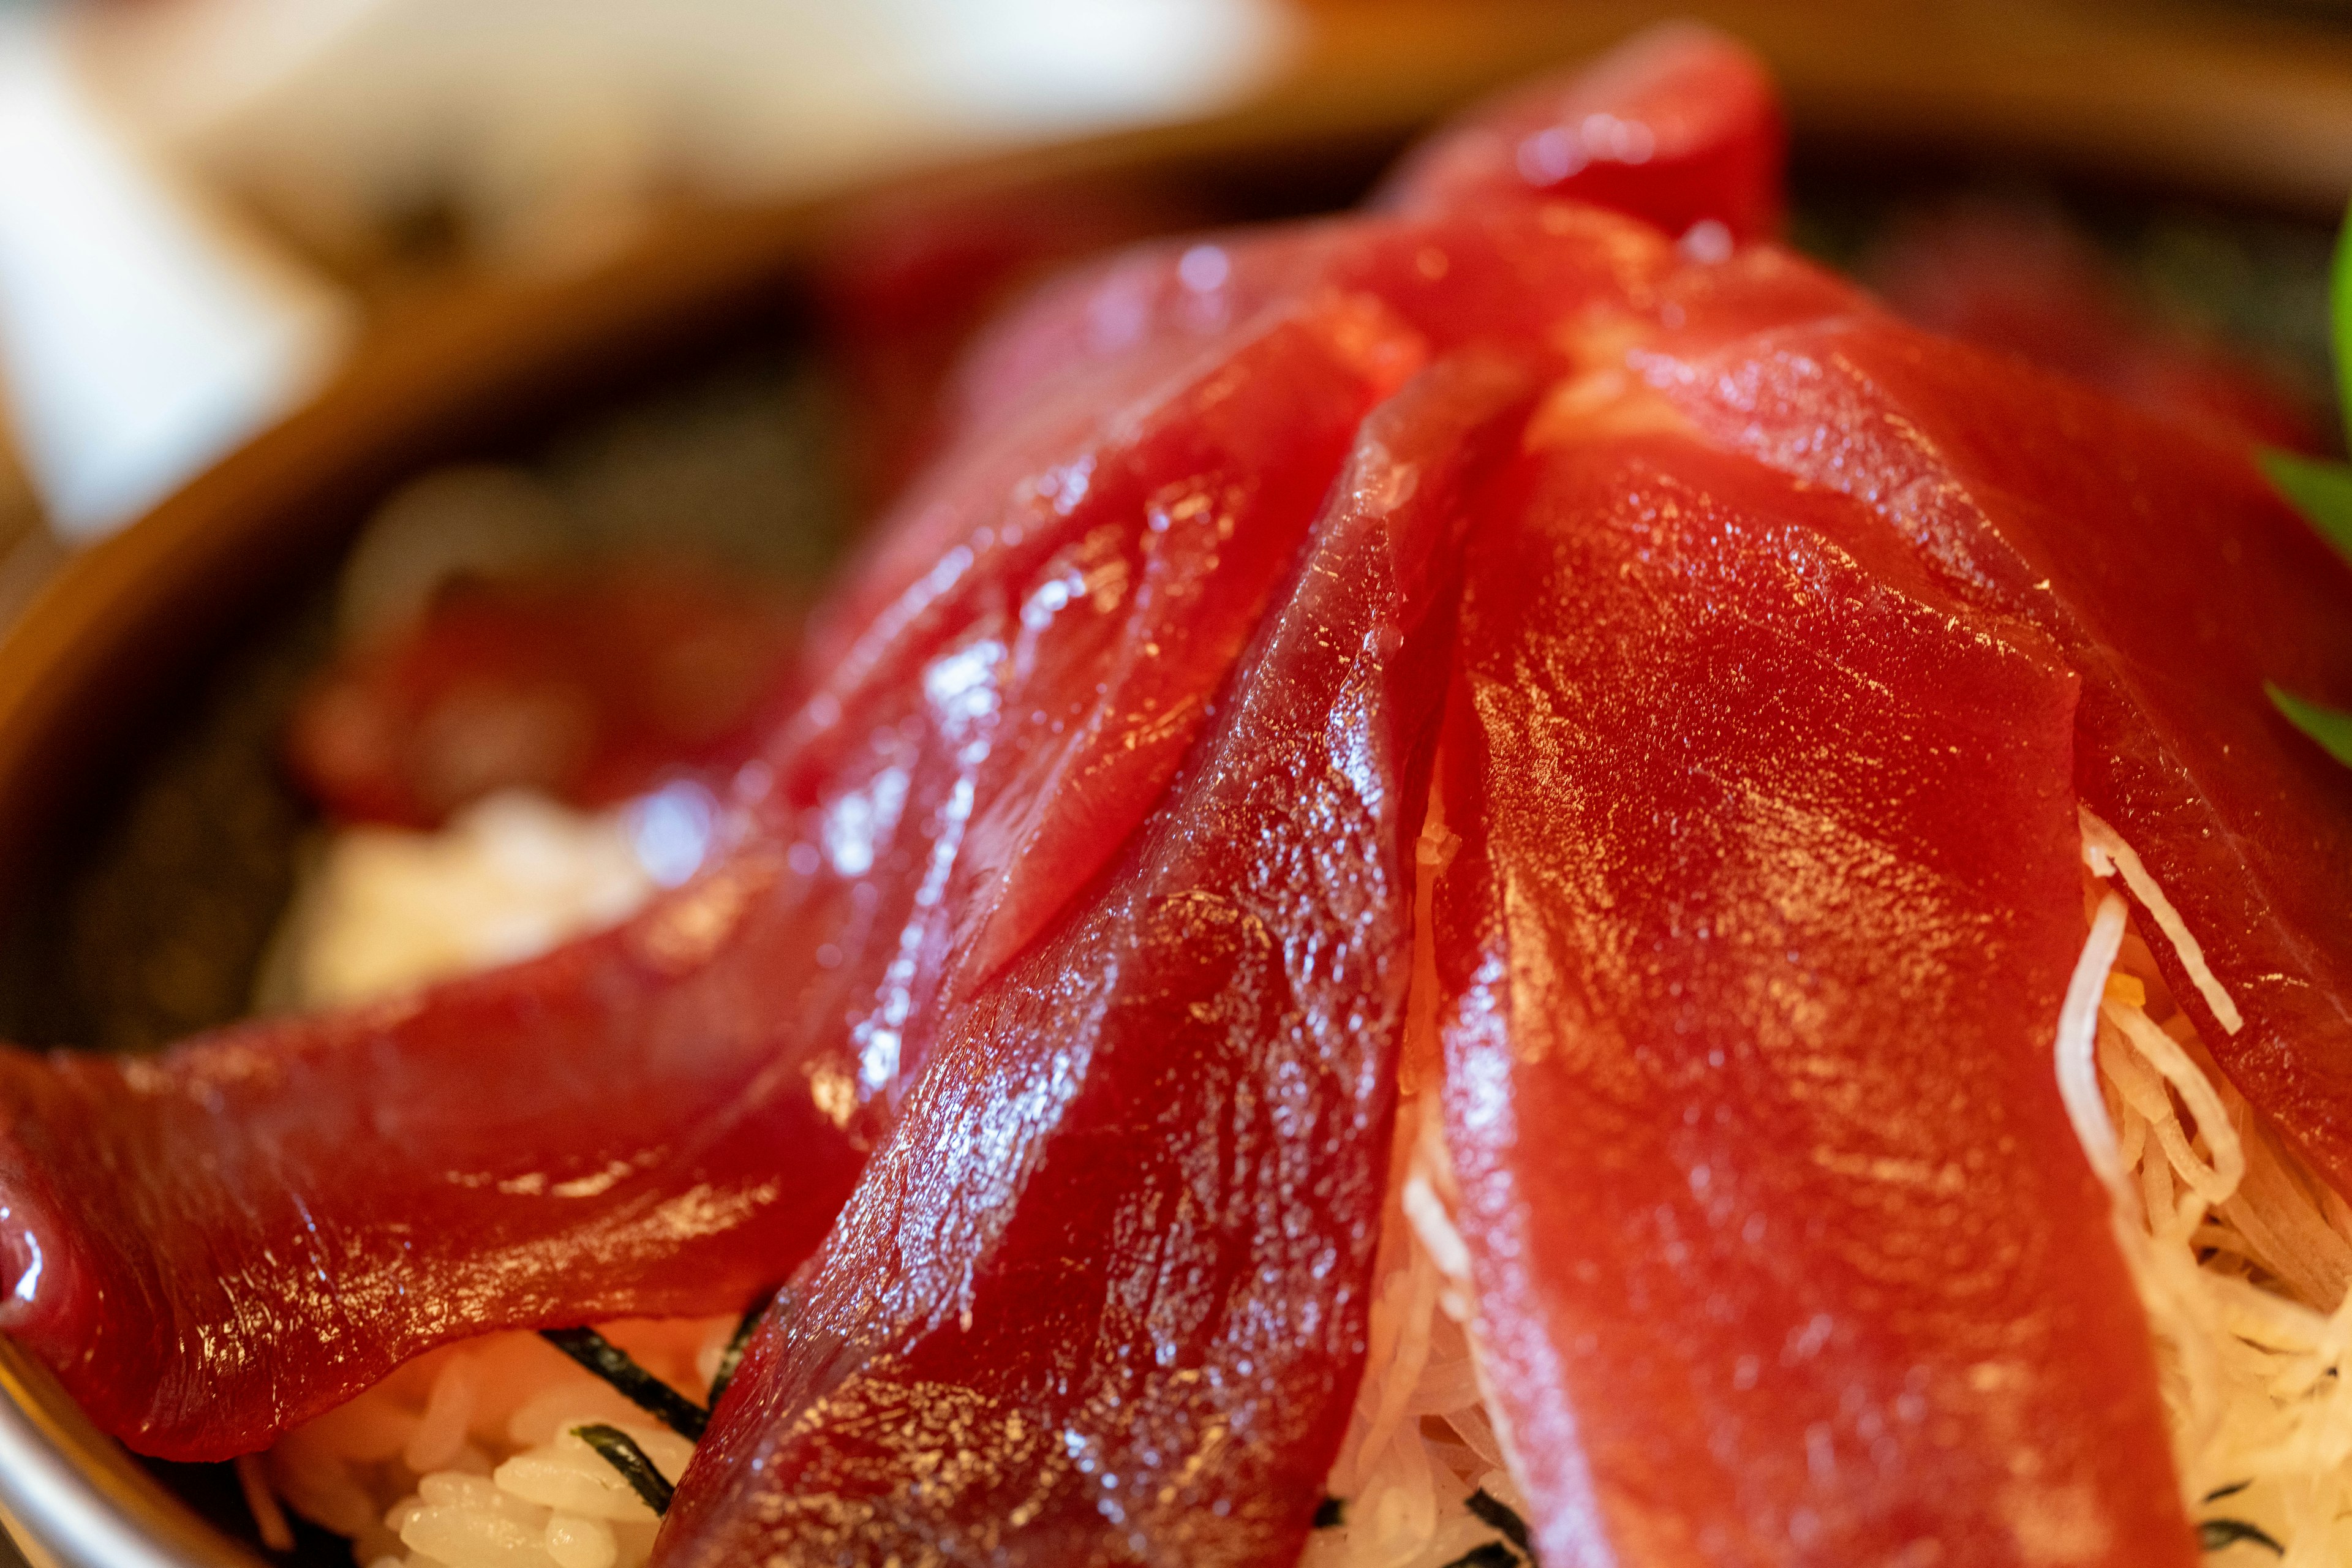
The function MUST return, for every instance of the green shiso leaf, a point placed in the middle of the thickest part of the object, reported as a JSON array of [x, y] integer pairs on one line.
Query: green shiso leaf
[[620, 1450], [632, 1382], [2321, 491], [2332, 727]]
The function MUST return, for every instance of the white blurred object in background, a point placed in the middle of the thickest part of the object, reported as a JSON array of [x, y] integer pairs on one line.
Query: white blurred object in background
[[141, 333], [549, 125], [385, 910], [142, 336]]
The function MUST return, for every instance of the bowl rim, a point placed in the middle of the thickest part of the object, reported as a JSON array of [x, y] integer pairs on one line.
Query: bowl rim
[[70, 1495]]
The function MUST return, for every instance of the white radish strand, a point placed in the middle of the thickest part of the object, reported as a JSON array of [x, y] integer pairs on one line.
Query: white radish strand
[[2078, 1039], [2102, 843]]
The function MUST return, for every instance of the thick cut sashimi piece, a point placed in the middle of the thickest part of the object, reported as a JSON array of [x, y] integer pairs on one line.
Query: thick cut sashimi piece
[[1767, 896], [1117, 577], [1676, 126], [1100, 1298], [2176, 583], [591, 684], [1531, 276], [913, 273], [943, 535], [215, 1243]]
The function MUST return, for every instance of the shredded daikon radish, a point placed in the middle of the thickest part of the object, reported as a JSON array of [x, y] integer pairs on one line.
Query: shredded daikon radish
[[2077, 1056], [2102, 843], [1420, 1442], [2239, 1252]]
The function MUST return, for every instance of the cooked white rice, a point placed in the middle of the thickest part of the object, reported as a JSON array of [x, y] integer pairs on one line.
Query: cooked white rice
[[470, 1455], [465, 1459], [382, 909]]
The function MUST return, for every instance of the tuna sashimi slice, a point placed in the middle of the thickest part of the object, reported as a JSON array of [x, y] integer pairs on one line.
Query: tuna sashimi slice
[[913, 273], [1678, 125], [1100, 1298], [215, 1243], [592, 683], [2176, 583], [1100, 567], [1529, 276], [1768, 894]]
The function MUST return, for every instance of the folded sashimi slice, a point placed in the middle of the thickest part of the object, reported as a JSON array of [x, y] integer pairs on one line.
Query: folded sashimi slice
[[1101, 1296], [1678, 125], [215, 1243], [2177, 582], [1753, 949]]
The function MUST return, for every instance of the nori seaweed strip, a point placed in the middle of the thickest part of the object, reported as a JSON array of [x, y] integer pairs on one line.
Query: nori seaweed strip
[[634, 1383], [1330, 1513], [1494, 1510], [1494, 1554], [620, 1450], [2232, 1490], [732, 1356], [2213, 1535]]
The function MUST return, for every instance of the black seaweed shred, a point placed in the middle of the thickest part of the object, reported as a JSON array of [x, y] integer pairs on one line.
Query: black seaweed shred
[[732, 1357], [1494, 1510], [1330, 1513], [620, 1450], [2213, 1535], [1494, 1554], [634, 1383]]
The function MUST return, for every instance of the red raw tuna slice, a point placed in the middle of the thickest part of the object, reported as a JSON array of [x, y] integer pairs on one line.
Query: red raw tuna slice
[[1676, 126], [1101, 1296], [215, 1243], [1524, 276], [592, 684], [2176, 581], [1121, 580], [914, 274], [1767, 896], [945, 524]]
